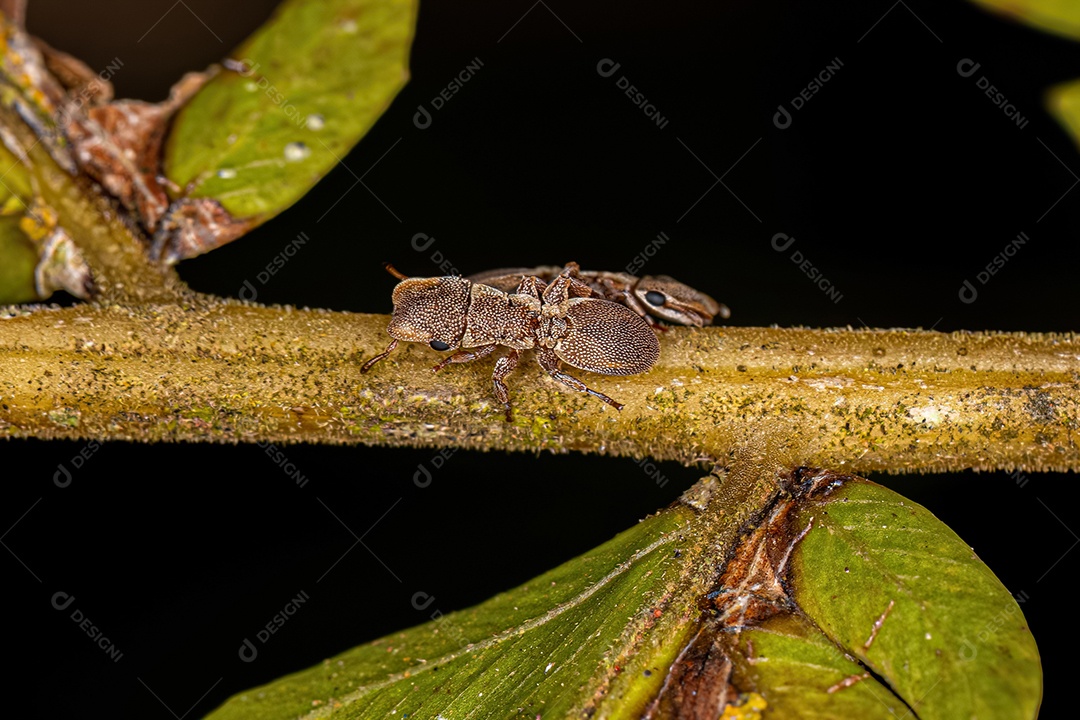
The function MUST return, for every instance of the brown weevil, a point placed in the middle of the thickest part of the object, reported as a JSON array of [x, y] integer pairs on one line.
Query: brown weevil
[[561, 321], [651, 296]]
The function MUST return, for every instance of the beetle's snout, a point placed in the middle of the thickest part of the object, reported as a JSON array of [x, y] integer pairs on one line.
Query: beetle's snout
[[430, 310]]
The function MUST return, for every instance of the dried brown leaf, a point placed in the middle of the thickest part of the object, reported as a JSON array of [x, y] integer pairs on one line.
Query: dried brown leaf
[[118, 144], [194, 226], [75, 76]]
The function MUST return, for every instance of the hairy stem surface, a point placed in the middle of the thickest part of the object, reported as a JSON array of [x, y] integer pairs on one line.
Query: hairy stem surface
[[223, 371]]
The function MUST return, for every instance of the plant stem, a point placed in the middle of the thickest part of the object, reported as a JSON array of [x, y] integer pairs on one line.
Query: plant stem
[[223, 371], [116, 254]]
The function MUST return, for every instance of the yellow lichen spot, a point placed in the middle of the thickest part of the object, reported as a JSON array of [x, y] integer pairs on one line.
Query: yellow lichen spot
[[750, 707], [38, 222], [65, 417]]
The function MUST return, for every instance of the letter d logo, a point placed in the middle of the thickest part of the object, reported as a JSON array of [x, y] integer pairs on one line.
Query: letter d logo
[[246, 68], [62, 477], [248, 292], [782, 118], [61, 600], [426, 474], [422, 118], [421, 600], [968, 293], [967, 67], [421, 241], [781, 246], [607, 67], [248, 651]]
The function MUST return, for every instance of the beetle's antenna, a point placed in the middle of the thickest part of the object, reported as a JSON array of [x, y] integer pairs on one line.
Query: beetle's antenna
[[394, 271]]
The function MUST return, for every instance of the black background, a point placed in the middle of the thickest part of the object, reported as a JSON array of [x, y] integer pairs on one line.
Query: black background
[[899, 180]]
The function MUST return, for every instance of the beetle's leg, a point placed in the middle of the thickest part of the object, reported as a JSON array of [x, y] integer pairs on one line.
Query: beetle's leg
[[616, 290], [567, 284], [649, 319], [503, 367], [464, 356], [550, 362], [609, 289], [579, 286], [557, 290], [531, 285], [627, 296], [389, 349]]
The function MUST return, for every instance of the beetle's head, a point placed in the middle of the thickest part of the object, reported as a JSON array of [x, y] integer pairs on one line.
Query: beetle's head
[[430, 311], [670, 300]]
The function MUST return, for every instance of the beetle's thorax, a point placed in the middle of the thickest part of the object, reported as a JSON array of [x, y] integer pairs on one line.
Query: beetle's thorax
[[551, 310], [495, 317], [552, 329]]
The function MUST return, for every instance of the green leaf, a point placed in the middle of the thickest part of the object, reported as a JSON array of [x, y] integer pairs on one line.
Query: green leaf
[[18, 258], [893, 586], [1057, 16], [1061, 17], [300, 93], [628, 631], [1064, 103], [535, 647], [799, 673], [16, 178]]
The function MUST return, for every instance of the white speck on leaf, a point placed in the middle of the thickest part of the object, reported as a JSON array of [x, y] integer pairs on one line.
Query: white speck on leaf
[[296, 151]]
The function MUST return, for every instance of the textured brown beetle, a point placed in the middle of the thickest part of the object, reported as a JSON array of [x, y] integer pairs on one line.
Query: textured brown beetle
[[651, 297], [561, 321]]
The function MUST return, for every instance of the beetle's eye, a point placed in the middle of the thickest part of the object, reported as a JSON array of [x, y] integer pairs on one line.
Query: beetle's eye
[[439, 345], [656, 299]]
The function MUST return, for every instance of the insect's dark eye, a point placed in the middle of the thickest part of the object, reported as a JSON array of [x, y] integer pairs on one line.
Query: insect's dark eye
[[654, 298], [439, 345]]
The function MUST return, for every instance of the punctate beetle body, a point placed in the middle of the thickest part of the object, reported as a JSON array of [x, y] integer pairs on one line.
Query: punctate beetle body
[[561, 321]]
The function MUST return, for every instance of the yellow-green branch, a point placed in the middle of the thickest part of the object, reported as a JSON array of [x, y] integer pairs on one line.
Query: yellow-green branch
[[113, 248], [222, 371]]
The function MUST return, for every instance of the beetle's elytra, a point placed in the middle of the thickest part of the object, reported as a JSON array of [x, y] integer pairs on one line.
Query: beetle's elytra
[[562, 321]]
